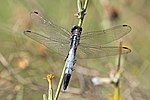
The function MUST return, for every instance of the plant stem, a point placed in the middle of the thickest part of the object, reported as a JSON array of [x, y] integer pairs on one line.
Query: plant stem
[[60, 83], [81, 14], [81, 11], [44, 97]]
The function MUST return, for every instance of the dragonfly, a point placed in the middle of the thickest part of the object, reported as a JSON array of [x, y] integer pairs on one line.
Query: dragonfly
[[72, 44]]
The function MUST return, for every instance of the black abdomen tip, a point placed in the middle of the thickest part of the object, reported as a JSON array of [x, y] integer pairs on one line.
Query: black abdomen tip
[[66, 80]]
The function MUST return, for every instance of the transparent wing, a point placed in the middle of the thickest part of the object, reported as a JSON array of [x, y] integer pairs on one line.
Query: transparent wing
[[105, 36], [48, 28], [86, 52], [61, 48]]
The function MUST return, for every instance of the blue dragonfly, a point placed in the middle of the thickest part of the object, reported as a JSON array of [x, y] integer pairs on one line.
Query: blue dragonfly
[[74, 44]]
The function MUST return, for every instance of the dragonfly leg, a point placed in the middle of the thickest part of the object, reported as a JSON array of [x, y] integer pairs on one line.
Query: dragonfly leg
[[66, 57], [74, 62]]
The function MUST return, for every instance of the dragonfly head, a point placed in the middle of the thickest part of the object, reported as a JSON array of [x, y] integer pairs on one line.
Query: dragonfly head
[[76, 29]]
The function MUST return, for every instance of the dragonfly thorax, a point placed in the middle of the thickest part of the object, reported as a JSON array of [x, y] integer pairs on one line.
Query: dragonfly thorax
[[75, 36], [76, 30]]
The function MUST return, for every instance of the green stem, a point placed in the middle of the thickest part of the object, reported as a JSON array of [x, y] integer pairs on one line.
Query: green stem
[[50, 94], [81, 11], [85, 4], [79, 5], [60, 83], [44, 97], [80, 22]]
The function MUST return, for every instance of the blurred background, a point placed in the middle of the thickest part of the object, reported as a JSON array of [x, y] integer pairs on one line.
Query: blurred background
[[24, 63]]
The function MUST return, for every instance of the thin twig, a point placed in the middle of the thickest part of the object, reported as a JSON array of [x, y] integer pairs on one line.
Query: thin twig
[[81, 14], [117, 89], [60, 83], [81, 11]]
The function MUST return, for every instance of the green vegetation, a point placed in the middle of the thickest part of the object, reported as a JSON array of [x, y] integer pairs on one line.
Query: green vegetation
[[24, 62]]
